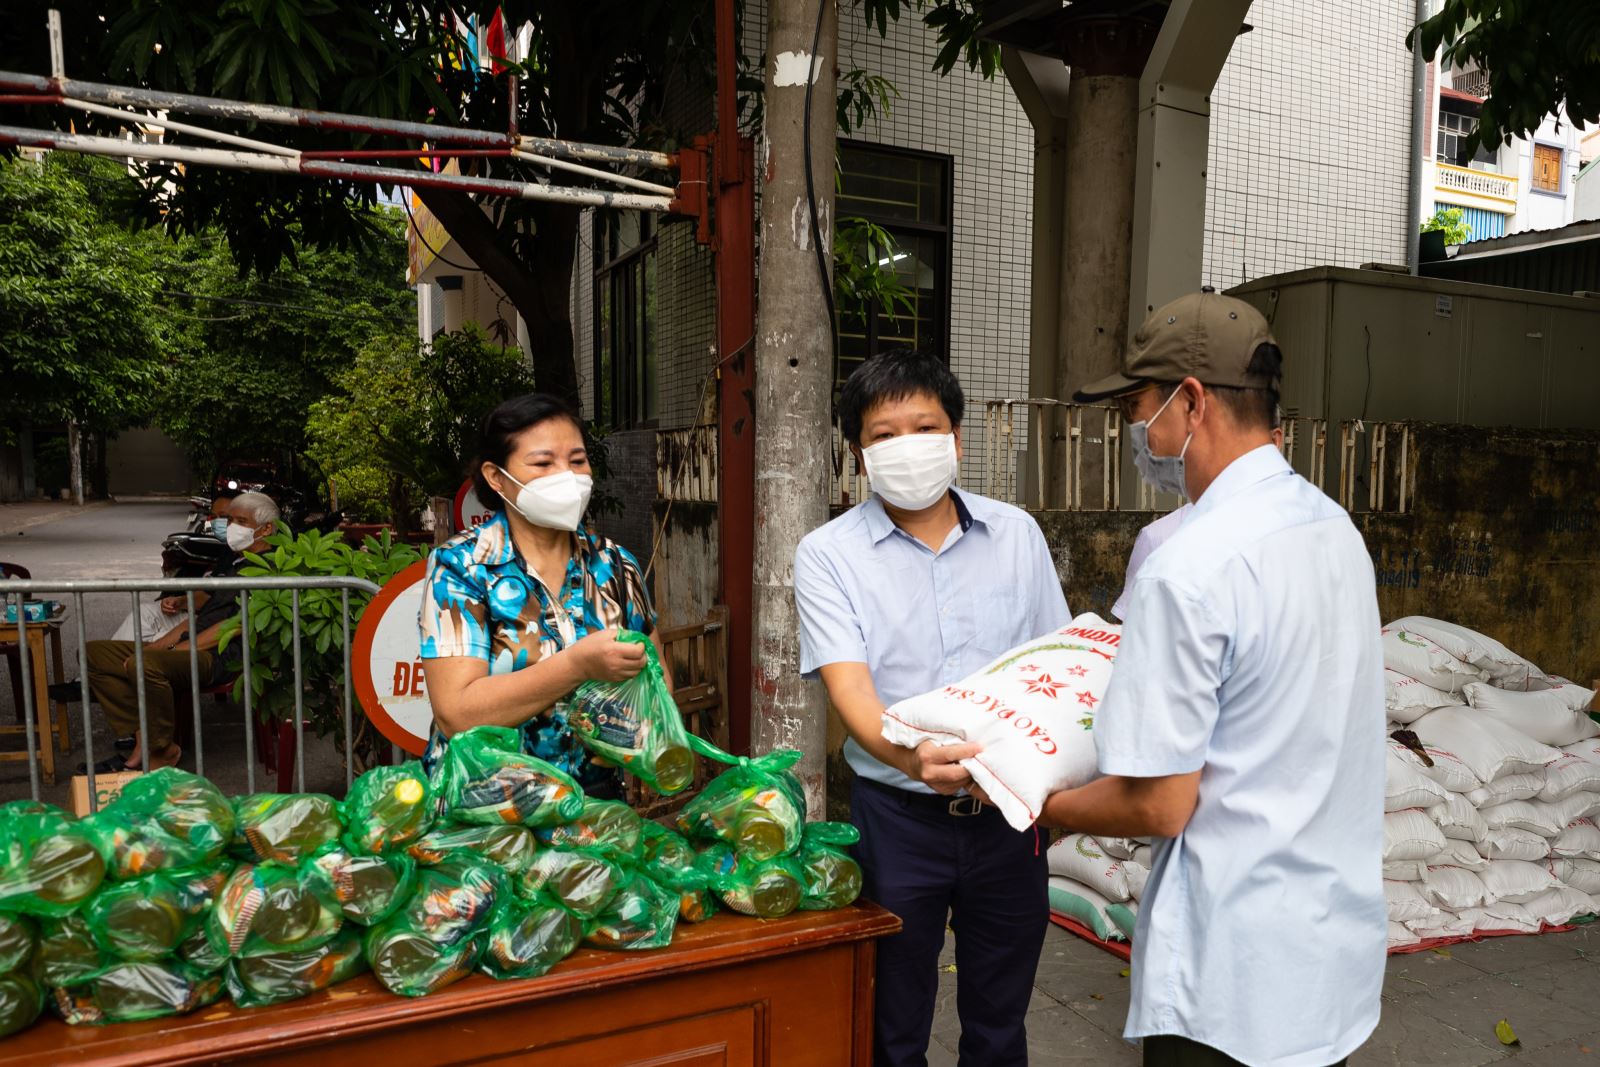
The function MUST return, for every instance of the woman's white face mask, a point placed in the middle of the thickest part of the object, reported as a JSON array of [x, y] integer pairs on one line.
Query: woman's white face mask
[[914, 470], [555, 501]]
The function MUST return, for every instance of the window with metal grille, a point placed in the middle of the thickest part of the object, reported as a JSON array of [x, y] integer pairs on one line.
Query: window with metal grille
[[908, 193], [1547, 168], [624, 319], [1454, 128]]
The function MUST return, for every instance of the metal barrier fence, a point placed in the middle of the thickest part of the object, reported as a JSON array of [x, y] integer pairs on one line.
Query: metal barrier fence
[[17, 591]]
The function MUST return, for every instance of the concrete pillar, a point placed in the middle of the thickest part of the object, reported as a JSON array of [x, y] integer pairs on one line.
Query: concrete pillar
[[454, 302], [1106, 56]]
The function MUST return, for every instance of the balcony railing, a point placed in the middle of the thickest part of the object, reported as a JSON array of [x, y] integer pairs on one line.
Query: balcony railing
[[1454, 179]]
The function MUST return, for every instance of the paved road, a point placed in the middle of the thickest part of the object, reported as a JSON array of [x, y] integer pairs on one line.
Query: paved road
[[122, 541], [1439, 1007]]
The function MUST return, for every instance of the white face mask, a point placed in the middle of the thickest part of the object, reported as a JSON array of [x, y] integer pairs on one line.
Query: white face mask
[[914, 470], [238, 536], [555, 501]]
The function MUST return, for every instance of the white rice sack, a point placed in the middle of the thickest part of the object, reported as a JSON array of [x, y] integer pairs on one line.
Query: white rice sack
[[1444, 925], [1408, 700], [1560, 905], [1543, 716], [1503, 916], [1514, 844], [1580, 839], [1458, 819], [1573, 695], [1080, 857], [1124, 917], [1572, 773], [1405, 870], [1400, 935], [1525, 785], [1517, 880], [1463, 854], [1138, 878], [1522, 815], [1580, 805], [1581, 874], [1498, 663], [1410, 835], [1444, 767], [1406, 903], [1416, 656], [1079, 902], [1486, 745], [1145, 856], [1588, 749], [1121, 848], [1032, 710], [1405, 786], [1453, 888]]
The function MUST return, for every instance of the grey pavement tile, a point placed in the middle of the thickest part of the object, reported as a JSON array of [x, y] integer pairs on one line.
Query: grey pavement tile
[[1426, 972], [1568, 1052], [1544, 1004], [1407, 1036], [940, 1056], [1499, 955], [1059, 1037]]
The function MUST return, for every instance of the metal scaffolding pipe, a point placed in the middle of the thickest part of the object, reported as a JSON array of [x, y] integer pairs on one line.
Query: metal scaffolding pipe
[[593, 172], [180, 127]]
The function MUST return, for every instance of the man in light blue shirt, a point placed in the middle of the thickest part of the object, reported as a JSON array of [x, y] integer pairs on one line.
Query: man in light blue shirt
[[1243, 727], [916, 587]]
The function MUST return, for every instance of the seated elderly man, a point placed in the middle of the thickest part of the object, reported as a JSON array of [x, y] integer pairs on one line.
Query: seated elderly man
[[249, 519]]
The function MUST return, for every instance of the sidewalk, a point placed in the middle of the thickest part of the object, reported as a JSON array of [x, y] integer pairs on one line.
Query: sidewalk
[[17, 519]]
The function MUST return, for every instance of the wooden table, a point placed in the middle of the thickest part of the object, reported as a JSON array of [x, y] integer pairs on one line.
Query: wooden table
[[794, 992], [48, 718]]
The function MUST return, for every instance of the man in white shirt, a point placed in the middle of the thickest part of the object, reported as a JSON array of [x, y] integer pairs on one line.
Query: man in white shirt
[[1243, 728]]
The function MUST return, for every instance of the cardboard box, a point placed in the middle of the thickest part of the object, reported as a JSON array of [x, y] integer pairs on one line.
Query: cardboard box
[[107, 788]]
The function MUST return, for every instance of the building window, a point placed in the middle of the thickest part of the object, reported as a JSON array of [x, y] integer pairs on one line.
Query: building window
[[1454, 128], [1547, 168], [908, 194], [625, 295]]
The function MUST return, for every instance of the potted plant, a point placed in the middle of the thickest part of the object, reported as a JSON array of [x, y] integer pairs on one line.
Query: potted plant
[[1443, 229]]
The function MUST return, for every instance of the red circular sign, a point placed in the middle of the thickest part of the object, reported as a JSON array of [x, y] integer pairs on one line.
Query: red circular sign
[[388, 671], [469, 511]]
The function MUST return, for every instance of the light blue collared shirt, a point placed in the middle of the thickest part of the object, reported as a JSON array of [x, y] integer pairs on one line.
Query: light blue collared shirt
[[868, 592], [1252, 654]]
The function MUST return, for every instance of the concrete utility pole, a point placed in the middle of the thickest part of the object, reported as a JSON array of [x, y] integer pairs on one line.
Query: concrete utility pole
[[794, 370]]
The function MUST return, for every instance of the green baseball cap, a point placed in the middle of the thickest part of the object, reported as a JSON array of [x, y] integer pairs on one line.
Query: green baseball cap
[[1204, 335]]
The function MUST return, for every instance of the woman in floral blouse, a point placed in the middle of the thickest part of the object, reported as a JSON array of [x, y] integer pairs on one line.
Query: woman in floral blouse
[[519, 611]]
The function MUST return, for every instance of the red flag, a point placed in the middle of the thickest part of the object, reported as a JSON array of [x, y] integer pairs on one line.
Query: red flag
[[495, 40]]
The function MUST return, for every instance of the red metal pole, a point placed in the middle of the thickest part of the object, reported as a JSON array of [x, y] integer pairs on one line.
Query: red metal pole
[[734, 245]]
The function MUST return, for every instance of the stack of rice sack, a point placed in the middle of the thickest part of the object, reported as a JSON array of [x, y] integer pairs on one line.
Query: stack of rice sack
[[1490, 808], [1099, 881], [174, 896]]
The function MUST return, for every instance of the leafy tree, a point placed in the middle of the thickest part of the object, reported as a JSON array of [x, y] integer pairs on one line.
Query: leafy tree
[[1448, 221], [255, 353], [80, 337], [1540, 56]]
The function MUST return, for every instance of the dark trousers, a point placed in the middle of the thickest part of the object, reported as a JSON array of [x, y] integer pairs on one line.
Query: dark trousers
[[1168, 1050], [927, 865]]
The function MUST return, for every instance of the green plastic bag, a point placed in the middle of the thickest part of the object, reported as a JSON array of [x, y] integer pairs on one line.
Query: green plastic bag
[[528, 937], [258, 980], [582, 881], [268, 908], [19, 939], [486, 778], [642, 915], [143, 919], [286, 827], [198, 952], [758, 807], [672, 862], [766, 889], [411, 964], [52, 864], [368, 888], [832, 876], [388, 808], [68, 953], [21, 1001], [636, 723], [453, 900], [128, 992], [609, 827], [509, 846], [184, 806]]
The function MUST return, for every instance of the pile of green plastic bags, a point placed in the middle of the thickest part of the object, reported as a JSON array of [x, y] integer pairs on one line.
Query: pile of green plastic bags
[[175, 895]]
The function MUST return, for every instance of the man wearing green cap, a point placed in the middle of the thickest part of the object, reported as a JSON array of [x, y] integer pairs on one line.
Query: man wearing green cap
[[1243, 728]]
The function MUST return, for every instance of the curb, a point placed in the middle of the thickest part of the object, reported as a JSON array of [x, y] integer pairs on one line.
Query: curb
[[65, 511]]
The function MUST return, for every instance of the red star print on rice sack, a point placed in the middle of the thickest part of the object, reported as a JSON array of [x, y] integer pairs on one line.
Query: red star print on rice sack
[[1031, 710]]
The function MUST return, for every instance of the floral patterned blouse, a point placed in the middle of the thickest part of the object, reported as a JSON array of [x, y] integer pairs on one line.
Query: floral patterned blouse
[[479, 599]]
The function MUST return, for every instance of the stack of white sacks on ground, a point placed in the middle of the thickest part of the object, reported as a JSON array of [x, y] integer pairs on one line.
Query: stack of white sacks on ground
[[1099, 881], [1495, 829]]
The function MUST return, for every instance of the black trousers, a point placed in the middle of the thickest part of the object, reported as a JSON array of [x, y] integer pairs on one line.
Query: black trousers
[[1170, 1051], [930, 866]]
